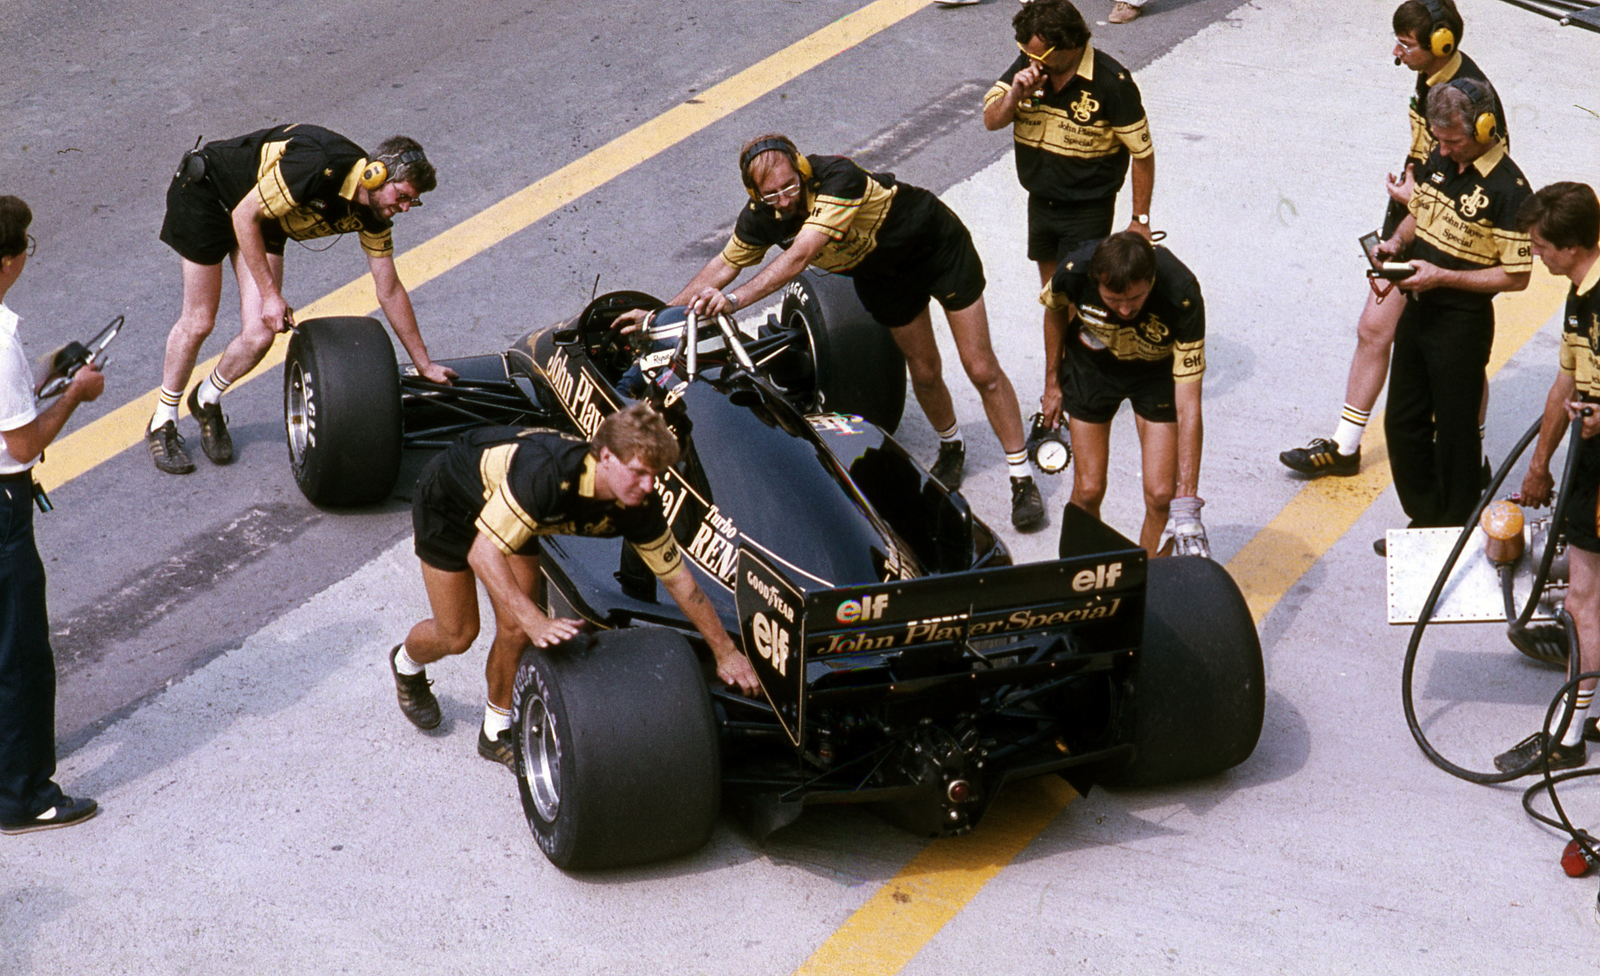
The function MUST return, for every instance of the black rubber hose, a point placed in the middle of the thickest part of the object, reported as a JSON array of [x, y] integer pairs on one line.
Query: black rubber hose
[[1587, 841], [1426, 616]]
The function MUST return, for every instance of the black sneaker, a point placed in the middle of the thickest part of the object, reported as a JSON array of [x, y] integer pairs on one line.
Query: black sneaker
[[947, 467], [64, 814], [416, 697], [214, 439], [498, 749], [1321, 457], [1381, 546], [166, 449], [1027, 508], [1527, 752], [1591, 729]]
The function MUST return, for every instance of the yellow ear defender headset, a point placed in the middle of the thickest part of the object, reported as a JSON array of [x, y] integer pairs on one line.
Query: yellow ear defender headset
[[1441, 39], [778, 144], [377, 172], [1481, 120]]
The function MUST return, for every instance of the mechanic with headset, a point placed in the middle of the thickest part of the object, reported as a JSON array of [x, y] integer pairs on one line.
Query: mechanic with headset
[[242, 198], [479, 510], [902, 246], [1077, 119], [1563, 224], [29, 798], [1427, 34], [1465, 249], [1135, 328]]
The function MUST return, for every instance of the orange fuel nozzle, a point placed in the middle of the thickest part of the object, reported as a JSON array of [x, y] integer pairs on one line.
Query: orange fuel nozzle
[[1502, 529]]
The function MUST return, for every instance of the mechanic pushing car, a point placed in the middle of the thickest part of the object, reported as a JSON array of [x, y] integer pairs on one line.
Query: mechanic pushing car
[[479, 510], [1135, 330], [1563, 225], [242, 199], [901, 246]]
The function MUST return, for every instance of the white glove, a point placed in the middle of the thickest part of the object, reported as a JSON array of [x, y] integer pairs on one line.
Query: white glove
[[1185, 528]]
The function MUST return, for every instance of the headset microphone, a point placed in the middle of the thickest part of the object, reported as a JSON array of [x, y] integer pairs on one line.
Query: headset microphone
[[1397, 61]]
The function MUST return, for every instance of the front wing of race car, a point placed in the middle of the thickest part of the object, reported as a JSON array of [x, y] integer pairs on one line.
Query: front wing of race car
[[926, 696]]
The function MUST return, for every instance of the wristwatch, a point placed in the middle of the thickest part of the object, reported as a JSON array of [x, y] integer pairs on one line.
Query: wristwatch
[[1143, 219]]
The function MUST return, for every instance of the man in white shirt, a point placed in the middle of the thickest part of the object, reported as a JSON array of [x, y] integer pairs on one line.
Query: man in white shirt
[[29, 799]]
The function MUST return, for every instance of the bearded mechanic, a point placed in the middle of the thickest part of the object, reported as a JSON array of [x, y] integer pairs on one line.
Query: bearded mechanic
[[902, 247], [242, 199], [479, 511]]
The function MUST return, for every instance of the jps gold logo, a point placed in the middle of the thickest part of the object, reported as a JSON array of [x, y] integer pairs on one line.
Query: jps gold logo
[[1473, 202], [1084, 108], [1154, 329]]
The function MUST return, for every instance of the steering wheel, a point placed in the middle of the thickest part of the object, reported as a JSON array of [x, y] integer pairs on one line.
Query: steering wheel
[[618, 349]]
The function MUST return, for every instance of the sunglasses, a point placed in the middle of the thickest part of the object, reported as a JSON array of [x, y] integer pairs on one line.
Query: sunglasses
[[1036, 58]]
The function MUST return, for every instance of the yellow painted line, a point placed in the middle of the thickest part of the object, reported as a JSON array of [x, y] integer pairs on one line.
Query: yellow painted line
[[887, 932], [124, 427]]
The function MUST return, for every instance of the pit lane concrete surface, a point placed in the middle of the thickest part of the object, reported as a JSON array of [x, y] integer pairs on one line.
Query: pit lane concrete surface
[[272, 809]]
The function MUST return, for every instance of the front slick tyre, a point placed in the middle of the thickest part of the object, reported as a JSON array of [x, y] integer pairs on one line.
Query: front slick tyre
[[616, 749]]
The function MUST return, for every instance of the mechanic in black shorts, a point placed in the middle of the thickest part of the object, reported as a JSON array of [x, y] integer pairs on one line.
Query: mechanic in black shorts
[[242, 199], [1135, 330], [479, 510], [901, 246], [1078, 120], [1563, 224]]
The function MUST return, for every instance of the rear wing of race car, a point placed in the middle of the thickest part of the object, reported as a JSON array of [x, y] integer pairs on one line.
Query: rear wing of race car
[[797, 640]]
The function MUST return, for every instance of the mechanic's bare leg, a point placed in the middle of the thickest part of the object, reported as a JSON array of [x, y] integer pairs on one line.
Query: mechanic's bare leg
[[500, 671], [453, 598], [1158, 464], [250, 346], [202, 293], [1091, 451], [921, 350], [1340, 452], [970, 326], [1583, 602]]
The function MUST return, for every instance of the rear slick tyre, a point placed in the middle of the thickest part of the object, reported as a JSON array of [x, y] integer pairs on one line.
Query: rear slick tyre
[[857, 366], [1200, 690], [616, 748]]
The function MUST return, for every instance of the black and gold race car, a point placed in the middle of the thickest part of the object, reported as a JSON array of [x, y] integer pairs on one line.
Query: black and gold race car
[[904, 661]]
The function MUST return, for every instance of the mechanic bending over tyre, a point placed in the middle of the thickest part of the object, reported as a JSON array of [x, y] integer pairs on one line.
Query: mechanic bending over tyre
[[479, 510], [242, 199], [1465, 248], [1077, 120], [29, 798], [1133, 327], [1563, 224], [1426, 35], [901, 246]]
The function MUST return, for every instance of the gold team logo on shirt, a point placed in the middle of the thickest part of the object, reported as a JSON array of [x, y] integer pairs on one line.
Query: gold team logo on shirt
[[1473, 202], [1084, 108]]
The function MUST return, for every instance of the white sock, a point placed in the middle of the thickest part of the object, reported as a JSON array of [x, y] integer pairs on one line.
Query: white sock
[[212, 388], [404, 664], [166, 408], [1580, 711], [951, 436], [1018, 464], [1352, 424], [495, 721]]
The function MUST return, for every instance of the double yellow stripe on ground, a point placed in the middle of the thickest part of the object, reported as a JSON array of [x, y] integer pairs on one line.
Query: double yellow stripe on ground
[[910, 909], [902, 916], [125, 426]]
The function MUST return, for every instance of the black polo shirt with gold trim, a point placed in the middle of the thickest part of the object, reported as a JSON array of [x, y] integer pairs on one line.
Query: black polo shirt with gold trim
[[525, 483], [1073, 145], [869, 220], [1467, 221], [1580, 335], [304, 178], [1171, 326], [1459, 66]]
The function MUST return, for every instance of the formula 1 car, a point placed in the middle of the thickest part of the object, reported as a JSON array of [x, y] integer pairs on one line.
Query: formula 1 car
[[904, 661]]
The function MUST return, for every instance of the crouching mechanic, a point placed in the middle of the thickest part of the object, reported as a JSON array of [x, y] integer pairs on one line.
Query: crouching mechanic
[[242, 199], [902, 246], [1563, 223], [1135, 331], [479, 510]]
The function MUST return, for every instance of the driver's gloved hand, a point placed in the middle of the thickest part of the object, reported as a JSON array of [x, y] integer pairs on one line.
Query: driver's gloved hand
[[1184, 527]]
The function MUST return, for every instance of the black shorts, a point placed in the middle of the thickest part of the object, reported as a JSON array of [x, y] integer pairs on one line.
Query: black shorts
[[1056, 228], [446, 524], [200, 227], [1583, 499], [1094, 383], [946, 269]]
